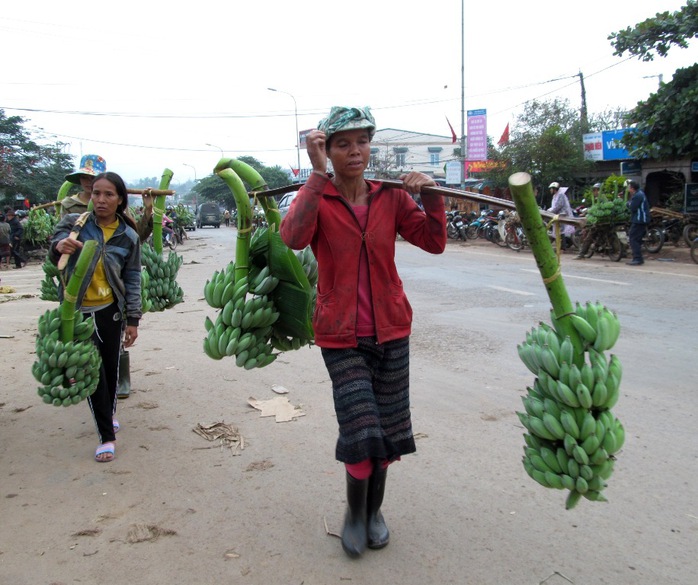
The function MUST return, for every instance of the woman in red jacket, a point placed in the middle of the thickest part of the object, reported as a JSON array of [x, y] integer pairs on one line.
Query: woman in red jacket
[[362, 318]]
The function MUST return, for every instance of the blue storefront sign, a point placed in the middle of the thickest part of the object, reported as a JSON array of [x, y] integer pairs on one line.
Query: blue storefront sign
[[612, 148], [605, 145]]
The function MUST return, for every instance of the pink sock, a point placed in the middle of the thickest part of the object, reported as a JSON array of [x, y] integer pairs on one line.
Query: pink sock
[[360, 470]]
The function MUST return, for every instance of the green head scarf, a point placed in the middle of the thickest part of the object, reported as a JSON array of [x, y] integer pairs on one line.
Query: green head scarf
[[341, 118]]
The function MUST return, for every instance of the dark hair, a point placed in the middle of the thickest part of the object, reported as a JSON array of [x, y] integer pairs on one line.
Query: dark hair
[[121, 191], [634, 184]]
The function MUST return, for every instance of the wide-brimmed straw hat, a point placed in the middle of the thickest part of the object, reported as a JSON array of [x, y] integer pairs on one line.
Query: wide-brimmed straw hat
[[91, 165]]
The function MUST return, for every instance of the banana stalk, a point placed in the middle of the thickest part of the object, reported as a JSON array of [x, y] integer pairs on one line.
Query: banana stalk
[[244, 219], [251, 176], [62, 194], [71, 290], [548, 265], [159, 209]]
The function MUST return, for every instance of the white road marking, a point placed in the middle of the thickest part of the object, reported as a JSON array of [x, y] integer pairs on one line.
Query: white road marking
[[513, 290], [587, 278]]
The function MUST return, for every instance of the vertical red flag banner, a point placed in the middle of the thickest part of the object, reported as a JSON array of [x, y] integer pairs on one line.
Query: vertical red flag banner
[[454, 138], [505, 137]]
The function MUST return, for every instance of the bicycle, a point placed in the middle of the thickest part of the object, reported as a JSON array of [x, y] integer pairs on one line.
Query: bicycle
[[514, 235]]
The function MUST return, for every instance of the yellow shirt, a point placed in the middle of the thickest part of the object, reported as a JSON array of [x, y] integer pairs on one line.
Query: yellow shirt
[[99, 292]]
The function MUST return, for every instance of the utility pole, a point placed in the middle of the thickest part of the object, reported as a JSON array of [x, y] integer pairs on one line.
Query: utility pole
[[584, 117]]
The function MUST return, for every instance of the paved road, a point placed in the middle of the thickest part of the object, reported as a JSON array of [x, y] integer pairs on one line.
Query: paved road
[[462, 510]]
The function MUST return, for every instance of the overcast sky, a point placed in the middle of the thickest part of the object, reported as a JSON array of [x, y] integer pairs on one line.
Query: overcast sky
[[150, 87]]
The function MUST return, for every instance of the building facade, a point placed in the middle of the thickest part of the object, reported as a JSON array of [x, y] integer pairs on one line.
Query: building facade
[[394, 152]]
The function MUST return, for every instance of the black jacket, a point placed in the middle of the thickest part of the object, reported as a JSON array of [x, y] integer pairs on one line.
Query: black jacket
[[16, 231]]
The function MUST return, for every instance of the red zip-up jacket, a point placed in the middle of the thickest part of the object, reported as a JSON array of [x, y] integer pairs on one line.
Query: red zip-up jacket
[[320, 217]]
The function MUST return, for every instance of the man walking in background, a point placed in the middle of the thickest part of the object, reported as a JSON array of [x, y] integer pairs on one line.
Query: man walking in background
[[16, 232]]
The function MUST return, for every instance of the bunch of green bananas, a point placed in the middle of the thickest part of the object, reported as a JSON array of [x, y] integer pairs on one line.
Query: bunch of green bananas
[[243, 327], [146, 303], [309, 263], [572, 434], [608, 211], [49, 285], [68, 372], [162, 288]]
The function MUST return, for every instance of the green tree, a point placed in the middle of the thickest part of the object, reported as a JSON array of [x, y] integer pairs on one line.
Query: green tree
[[546, 142], [212, 188], [273, 176], [27, 168], [665, 125]]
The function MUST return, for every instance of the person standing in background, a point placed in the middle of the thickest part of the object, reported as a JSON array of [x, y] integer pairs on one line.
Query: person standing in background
[[90, 166], [561, 206], [639, 218], [16, 233], [5, 248]]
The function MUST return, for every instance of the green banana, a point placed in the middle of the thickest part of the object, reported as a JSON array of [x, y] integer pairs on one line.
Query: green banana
[[585, 330]]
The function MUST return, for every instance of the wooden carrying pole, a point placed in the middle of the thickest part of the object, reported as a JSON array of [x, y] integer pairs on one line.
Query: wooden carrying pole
[[444, 191], [154, 192]]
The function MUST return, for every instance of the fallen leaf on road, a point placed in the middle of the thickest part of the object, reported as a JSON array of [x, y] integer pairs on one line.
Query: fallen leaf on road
[[278, 407], [228, 435]]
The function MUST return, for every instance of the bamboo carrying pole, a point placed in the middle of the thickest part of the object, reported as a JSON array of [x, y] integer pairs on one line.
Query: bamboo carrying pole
[[546, 259]]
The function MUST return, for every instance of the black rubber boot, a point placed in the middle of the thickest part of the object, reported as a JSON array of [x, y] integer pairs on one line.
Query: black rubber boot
[[354, 537], [123, 389], [378, 534]]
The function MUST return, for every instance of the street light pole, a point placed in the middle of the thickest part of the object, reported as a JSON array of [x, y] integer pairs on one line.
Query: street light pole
[[193, 168], [462, 96], [218, 147], [298, 140]]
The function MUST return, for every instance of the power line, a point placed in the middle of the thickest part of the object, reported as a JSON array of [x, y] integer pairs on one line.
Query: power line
[[231, 116]]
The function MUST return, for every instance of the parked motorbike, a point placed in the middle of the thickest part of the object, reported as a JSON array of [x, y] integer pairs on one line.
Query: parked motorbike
[[474, 230], [493, 228], [455, 226]]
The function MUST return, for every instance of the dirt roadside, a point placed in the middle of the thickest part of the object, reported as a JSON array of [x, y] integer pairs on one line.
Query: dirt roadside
[[174, 507]]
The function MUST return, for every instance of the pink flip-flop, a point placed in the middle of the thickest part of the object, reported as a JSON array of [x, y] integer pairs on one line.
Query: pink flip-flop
[[117, 426], [107, 448]]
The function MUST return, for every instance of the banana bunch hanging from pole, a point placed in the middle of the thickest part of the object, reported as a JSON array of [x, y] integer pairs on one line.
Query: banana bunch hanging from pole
[[49, 285], [266, 295], [572, 434], [159, 289], [67, 361]]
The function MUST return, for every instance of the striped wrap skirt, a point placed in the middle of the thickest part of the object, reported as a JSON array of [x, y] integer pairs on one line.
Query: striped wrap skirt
[[371, 390]]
